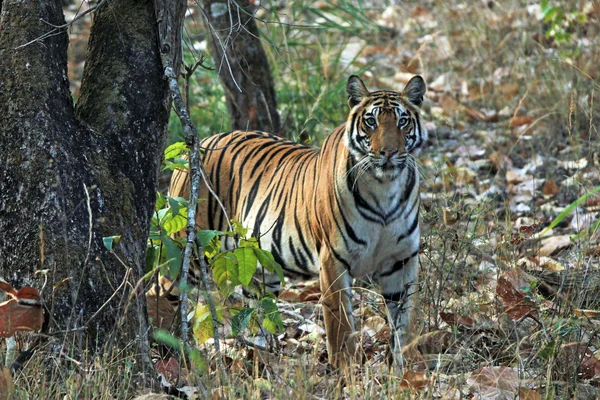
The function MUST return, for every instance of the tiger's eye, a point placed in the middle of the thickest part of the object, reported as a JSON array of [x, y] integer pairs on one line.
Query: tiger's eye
[[370, 121], [403, 122]]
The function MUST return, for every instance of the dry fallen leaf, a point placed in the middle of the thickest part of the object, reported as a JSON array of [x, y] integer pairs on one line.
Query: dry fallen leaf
[[554, 243], [577, 358], [541, 263], [500, 160], [497, 383], [550, 188], [21, 312], [586, 313], [160, 311], [290, 295], [514, 289], [311, 292], [414, 380], [457, 320], [520, 120]]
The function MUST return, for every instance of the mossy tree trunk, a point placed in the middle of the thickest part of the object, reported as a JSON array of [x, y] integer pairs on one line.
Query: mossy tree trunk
[[73, 175], [242, 65]]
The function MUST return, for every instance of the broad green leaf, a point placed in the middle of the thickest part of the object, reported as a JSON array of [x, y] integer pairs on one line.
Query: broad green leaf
[[272, 320], [183, 202], [239, 229], [160, 214], [171, 256], [203, 323], [109, 241], [213, 248], [176, 150], [151, 257], [161, 200], [241, 320], [225, 272], [251, 242], [269, 325], [266, 260], [205, 236], [173, 223], [246, 264], [165, 337], [569, 209], [173, 205]]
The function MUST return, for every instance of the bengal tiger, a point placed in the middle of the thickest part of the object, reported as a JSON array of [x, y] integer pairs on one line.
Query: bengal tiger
[[342, 212]]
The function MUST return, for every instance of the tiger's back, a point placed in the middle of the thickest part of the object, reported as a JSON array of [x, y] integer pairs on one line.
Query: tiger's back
[[261, 179]]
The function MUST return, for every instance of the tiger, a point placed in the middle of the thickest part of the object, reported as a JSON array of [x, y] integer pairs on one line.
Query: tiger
[[341, 212]]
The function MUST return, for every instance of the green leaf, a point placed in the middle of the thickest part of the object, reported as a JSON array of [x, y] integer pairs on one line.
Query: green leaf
[[165, 337], [548, 351], [161, 200], [266, 260], [213, 248], [239, 229], [251, 242], [241, 320], [174, 205], [171, 256], [170, 166], [206, 236], [225, 272], [109, 241], [569, 209], [246, 264], [272, 320], [173, 223], [151, 257], [196, 358], [176, 150], [203, 323]]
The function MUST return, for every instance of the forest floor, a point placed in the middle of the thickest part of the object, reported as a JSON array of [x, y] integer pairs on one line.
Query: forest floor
[[510, 270]]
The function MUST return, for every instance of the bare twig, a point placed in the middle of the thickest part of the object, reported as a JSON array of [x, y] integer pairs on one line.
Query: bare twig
[[191, 136], [56, 29]]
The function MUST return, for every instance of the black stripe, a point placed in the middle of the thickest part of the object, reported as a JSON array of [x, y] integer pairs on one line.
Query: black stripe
[[410, 231], [251, 197], [395, 297], [398, 265], [299, 258]]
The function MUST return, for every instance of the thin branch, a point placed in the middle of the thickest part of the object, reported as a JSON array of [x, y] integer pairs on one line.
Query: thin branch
[[58, 28], [125, 278], [223, 49], [192, 140]]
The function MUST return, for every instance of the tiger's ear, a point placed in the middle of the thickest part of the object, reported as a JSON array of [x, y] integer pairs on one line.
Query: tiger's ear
[[414, 90], [356, 90]]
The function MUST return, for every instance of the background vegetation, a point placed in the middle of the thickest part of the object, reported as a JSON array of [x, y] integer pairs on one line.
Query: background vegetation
[[509, 307]]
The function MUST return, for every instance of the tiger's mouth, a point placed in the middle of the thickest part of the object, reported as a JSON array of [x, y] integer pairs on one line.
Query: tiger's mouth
[[386, 164]]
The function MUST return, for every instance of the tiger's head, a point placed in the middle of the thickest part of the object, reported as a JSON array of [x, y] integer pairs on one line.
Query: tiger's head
[[384, 128]]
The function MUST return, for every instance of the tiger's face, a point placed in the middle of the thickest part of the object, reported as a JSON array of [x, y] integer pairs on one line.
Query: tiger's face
[[384, 129]]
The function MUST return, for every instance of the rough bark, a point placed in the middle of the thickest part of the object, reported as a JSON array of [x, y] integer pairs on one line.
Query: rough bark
[[242, 65], [55, 156]]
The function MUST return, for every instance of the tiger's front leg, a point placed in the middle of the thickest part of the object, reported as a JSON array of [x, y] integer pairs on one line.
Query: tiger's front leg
[[337, 311], [399, 288]]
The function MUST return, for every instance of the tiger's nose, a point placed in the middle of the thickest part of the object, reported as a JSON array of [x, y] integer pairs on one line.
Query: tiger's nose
[[389, 153]]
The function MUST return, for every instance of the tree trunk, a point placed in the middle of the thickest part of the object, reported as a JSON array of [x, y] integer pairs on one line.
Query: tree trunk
[[242, 65], [71, 176]]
